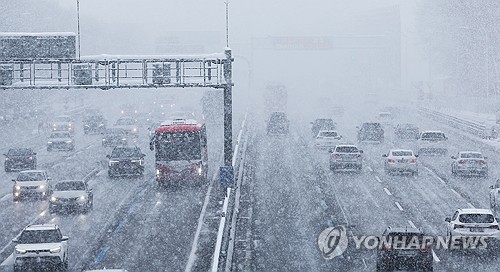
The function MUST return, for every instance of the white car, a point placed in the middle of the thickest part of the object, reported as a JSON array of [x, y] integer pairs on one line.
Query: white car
[[129, 124], [63, 123], [495, 195], [472, 223], [469, 163], [401, 160], [42, 247], [71, 195], [326, 139], [385, 118], [346, 156], [31, 183], [432, 142], [60, 140]]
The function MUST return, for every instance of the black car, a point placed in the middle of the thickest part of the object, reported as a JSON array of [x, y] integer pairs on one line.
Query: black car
[[126, 161], [18, 159], [404, 249], [322, 124], [114, 137], [94, 124], [371, 132], [407, 132], [278, 123]]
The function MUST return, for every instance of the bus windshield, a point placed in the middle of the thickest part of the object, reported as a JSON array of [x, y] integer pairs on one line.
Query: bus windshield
[[177, 146]]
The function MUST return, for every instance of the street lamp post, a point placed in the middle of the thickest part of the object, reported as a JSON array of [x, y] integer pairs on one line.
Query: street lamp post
[[78, 26]]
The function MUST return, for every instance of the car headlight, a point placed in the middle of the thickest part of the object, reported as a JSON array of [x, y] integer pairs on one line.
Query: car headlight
[[83, 197], [157, 172], [20, 251], [54, 125], [49, 142], [134, 129], [137, 161], [124, 139], [55, 250], [69, 124], [69, 142], [6, 159], [53, 199], [103, 140], [200, 171], [18, 187], [113, 162], [43, 186]]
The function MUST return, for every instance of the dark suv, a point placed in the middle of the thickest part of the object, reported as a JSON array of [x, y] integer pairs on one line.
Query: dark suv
[[126, 161], [403, 249], [322, 124], [18, 159], [278, 123], [371, 132], [95, 123]]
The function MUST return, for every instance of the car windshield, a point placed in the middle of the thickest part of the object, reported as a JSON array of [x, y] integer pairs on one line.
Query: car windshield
[[59, 135], [122, 122], [40, 236], [372, 126], [116, 132], [471, 155], [278, 116], [178, 146], [328, 134], [30, 176], [405, 239], [476, 218], [94, 118], [70, 186], [62, 119], [402, 153], [19, 152], [346, 149], [433, 135], [324, 122], [125, 152]]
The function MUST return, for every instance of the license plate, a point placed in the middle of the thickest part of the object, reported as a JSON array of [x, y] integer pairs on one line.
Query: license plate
[[406, 253], [402, 161], [476, 229]]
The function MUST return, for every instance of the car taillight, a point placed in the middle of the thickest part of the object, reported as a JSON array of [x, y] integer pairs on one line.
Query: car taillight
[[458, 227], [391, 161], [426, 248], [335, 155], [461, 162], [386, 247], [482, 162], [494, 227], [413, 161]]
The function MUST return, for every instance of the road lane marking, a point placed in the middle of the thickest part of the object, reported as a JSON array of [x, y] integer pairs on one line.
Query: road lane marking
[[101, 255], [88, 147], [435, 175], [470, 205], [369, 169], [455, 192], [435, 257], [324, 205], [8, 261], [387, 191], [5, 197], [378, 179], [399, 206], [411, 224]]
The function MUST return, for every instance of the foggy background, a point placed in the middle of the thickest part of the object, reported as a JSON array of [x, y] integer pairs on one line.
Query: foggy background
[[422, 48]]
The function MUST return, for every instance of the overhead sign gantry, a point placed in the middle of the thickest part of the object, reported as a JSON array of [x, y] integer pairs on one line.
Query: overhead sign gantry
[[108, 72]]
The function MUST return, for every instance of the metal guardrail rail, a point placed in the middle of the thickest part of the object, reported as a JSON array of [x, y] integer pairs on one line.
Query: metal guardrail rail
[[484, 131]]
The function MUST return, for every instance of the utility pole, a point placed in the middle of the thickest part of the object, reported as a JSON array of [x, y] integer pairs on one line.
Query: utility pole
[[78, 26], [227, 23]]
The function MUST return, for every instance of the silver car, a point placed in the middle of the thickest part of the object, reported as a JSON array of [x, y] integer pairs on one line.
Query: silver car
[[469, 163], [31, 183]]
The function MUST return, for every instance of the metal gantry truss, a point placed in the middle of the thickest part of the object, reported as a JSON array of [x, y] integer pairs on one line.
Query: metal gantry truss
[[110, 72], [132, 72]]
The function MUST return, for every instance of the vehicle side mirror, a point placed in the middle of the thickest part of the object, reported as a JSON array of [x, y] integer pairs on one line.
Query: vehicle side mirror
[[447, 219], [49, 178], [64, 238], [416, 155], [144, 155], [330, 151], [34, 153], [361, 151], [108, 156], [384, 155], [15, 241], [453, 157], [491, 187], [5, 155], [14, 180]]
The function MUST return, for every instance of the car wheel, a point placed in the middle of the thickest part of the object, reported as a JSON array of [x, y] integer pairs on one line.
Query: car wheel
[[15, 199], [428, 268], [332, 168], [7, 169], [49, 149], [415, 174]]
